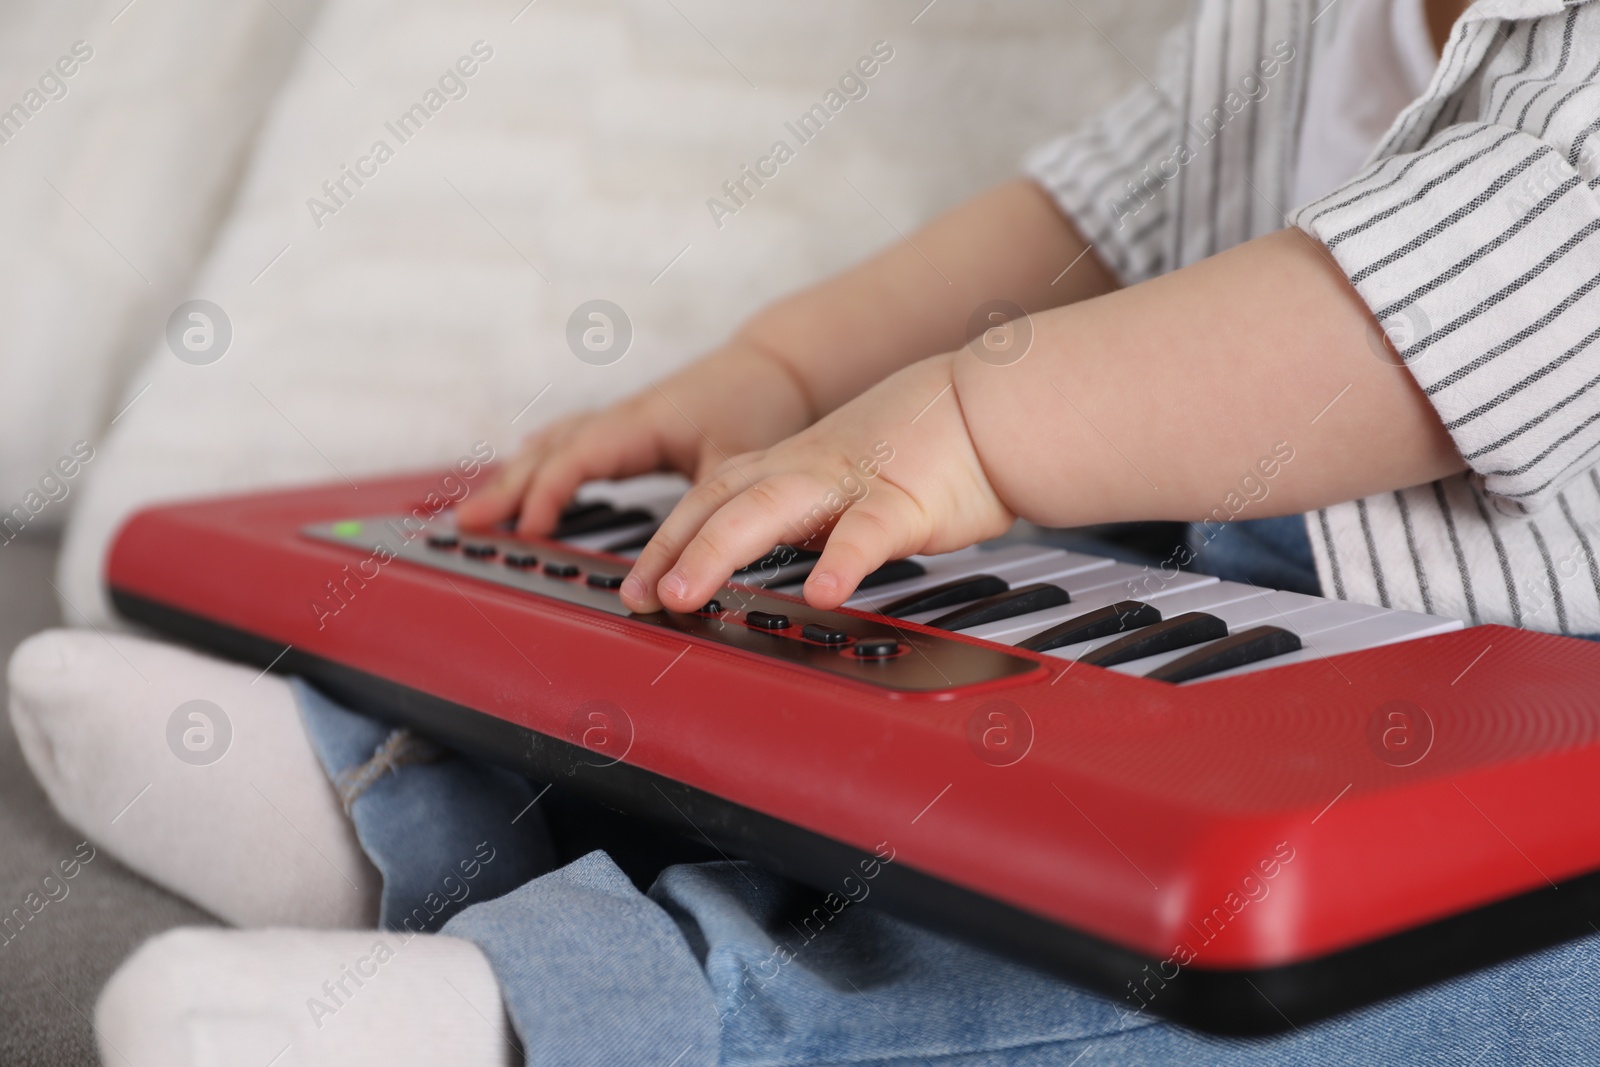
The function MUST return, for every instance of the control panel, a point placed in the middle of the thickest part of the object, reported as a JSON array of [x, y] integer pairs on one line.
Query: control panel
[[875, 650]]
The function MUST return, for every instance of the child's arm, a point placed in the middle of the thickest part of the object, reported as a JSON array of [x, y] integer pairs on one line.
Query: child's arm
[[809, 353], [1148, 403]]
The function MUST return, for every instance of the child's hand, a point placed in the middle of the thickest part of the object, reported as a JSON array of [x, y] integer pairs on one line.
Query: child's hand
[[891, 473], [734, 400]]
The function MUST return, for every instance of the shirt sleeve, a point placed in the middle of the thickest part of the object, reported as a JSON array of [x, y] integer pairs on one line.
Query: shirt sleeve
[[1107, 178], [1479, 256]]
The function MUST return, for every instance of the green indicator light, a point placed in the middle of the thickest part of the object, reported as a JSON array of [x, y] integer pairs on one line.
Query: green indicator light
[[348, 528]]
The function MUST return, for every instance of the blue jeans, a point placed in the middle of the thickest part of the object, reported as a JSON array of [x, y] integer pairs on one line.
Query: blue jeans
[[1274, 553], [685, 964]]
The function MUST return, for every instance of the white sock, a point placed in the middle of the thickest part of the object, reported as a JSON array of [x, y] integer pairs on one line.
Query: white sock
[[256, 835], [207, 998]]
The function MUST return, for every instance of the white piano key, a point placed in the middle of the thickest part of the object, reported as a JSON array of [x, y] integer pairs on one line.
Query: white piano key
[[657, 493], [1069, 570], [597, 542], [1333, 614], [1125, 581], [1385, 629], [1271, 602], [1388, 629]]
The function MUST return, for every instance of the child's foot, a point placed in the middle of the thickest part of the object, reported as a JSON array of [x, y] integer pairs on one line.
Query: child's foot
[[194, 997], [194, 772]]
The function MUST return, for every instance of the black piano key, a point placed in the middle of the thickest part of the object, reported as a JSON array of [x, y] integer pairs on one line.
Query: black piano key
[[1180, 631], [1247, 646], [896, 570], [1008, 605], [633, 541], [577, 509], [1102, 622], [784, 565], [947, 594], [781, 556], [599, 519]]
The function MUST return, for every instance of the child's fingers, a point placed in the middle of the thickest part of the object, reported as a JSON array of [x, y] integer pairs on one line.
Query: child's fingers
[[500, 498], [698, 504], [599, 449], [884, 526], [707, 461], [743, 529]]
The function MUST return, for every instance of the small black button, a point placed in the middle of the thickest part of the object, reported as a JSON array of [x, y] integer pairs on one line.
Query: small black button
[[877, 648], [713, 607], [605, 581], [766, 620], [443, 541], [480, 551], [827, 635], [521, 560], [561, 570]]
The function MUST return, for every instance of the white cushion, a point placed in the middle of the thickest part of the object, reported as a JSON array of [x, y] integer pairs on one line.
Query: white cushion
[[432, 306], [113, 180]]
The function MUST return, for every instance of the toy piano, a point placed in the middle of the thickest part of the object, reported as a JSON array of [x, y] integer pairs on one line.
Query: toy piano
[[1240, 808]]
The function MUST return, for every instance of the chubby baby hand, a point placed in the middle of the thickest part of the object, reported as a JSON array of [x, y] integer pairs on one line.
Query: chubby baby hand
[[892, 473]]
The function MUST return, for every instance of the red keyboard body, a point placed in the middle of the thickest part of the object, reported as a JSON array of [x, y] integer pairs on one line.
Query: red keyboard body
[[1236, 853]]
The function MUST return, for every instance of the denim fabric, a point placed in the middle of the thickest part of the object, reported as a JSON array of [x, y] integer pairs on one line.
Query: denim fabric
[[1143, 544], [592, 971], [1272, 553], [443, 830], [807, 977]]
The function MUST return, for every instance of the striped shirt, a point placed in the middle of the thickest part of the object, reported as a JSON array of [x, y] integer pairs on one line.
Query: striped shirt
[[1473, 235]]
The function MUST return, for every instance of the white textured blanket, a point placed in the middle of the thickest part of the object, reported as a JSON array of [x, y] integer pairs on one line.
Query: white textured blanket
[[436, 189]]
